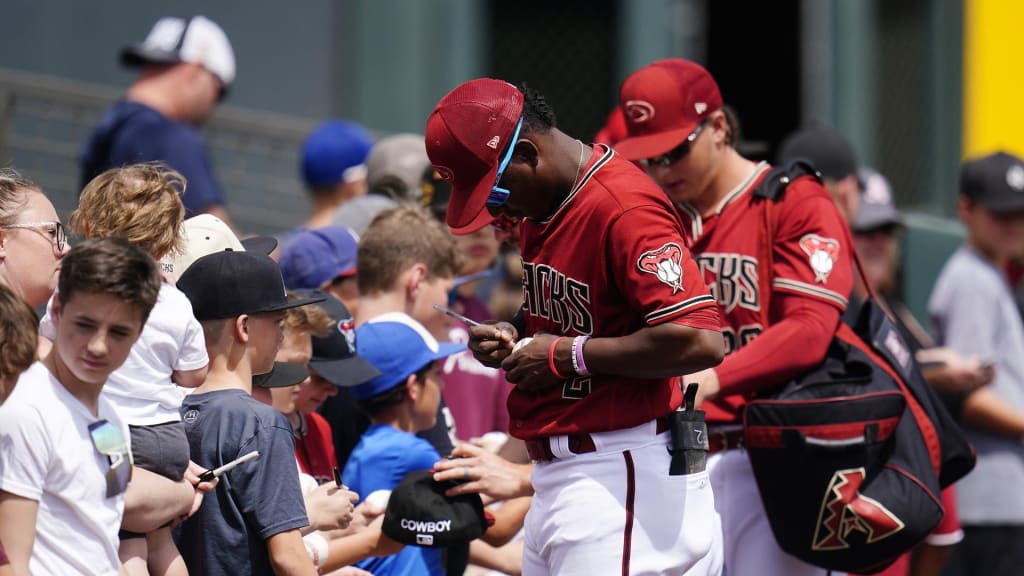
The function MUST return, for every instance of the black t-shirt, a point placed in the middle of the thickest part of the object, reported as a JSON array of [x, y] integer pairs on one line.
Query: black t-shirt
[[252, 502]]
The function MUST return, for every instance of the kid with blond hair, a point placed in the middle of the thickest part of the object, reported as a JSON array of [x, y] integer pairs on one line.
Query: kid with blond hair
[[141, 203]]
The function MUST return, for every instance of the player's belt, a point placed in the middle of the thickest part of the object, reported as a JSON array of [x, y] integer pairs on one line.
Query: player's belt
[[721, 438], [540, 449]]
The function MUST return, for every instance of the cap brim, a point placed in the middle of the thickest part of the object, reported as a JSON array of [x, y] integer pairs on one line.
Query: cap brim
[[1004, 205], [138, 55], [651, 145], [446, 349], [482, 219], [283, 374], [347, 372], [465, 205], [292, 304], [259, 244]]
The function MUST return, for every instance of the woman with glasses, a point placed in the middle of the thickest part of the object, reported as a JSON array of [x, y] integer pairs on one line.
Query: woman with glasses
[[780, 270], [32, 240]]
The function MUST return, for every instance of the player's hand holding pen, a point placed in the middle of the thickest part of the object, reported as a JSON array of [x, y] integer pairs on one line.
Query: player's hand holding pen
[[490, 342], [540, 362]]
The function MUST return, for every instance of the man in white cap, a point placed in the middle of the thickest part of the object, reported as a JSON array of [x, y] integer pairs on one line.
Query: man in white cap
[[185, 67]]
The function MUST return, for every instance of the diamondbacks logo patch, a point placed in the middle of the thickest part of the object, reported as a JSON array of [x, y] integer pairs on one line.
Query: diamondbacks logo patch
[[639, 111], [844, 510], [823, 253], [666, 263]]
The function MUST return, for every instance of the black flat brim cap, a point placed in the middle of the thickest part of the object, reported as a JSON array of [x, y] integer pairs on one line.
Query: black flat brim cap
[[345, 372], [259, 244], [282, 375], [420, 514]]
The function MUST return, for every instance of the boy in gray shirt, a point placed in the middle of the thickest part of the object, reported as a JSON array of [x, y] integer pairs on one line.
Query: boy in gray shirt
[[973, 311]]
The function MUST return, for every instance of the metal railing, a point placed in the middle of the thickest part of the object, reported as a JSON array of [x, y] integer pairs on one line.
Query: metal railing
[[45, 121]]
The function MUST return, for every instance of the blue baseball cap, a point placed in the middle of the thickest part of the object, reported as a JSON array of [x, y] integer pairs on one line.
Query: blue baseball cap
[[314, 257], [335, 152], [398, 347]]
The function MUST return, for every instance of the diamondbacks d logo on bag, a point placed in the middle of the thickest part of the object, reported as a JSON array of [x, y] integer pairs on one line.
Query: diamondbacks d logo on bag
[[844, 509]]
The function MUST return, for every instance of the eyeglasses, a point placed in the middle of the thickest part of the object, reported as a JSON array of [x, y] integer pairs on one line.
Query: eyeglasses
[[679, 152], [498, 195], [54, 230], [109, 441]]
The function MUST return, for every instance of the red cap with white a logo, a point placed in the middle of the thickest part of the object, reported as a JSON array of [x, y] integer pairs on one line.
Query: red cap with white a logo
[[466, 134], [663, 103]]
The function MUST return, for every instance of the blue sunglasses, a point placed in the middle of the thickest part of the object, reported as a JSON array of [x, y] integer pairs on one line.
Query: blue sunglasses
[[499, 196]]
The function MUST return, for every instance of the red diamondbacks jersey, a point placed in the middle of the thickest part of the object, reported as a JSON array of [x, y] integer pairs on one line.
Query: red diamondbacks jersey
[[609, 262], [811, 257], [314, 450]]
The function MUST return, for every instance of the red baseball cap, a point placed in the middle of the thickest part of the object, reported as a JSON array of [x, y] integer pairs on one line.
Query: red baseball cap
[[663, 103], [465, 136]]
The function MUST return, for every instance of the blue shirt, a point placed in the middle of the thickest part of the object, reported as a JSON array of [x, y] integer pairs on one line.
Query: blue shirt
[[382, 458], [252, 502], [130, 133]]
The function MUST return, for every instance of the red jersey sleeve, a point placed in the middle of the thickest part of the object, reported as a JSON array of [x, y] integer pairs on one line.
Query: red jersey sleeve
[[812, 254], [654, 269]]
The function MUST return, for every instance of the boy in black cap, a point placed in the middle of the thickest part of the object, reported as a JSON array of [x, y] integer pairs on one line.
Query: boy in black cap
[[973, 312], [251, 525]]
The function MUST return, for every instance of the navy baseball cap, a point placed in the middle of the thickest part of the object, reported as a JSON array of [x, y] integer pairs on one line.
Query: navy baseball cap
[[995, 181], [314, 257], [334, 355], [420, 514], [398, 347], [228, 284], [335, 152], [875, 210]]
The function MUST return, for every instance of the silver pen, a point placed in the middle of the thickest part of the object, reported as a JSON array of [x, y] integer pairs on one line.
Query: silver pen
[[456, 315]]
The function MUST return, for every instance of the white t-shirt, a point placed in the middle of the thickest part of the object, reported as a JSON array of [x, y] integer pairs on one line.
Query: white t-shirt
[[142, 389], [47, 455]]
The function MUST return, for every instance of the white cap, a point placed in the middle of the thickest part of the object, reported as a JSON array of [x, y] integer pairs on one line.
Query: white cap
[[197, 39], [204, 234]]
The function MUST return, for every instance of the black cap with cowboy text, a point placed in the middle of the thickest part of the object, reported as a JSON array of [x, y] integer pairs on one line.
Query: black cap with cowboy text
[[420, 514], [995, 181], [228, 284]]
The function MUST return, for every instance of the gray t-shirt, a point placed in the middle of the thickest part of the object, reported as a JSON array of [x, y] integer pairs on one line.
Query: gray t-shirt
[[252, 502], [973, 312]]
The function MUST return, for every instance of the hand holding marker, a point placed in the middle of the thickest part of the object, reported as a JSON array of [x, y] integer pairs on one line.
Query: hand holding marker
[[218, 472]]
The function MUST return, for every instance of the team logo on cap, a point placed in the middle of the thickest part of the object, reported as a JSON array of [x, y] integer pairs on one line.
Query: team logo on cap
[[445, 173], [347, 327], [493, 142], [666, 263], [639, 111], [1015, 177], [823, 253], [700, 107]]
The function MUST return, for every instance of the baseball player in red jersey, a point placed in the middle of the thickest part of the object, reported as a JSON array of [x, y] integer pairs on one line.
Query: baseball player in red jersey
[[781, 279], [616, 310]]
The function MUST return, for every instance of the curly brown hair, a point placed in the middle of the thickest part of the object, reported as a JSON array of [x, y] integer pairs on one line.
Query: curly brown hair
[[140, 203], [310, 319]]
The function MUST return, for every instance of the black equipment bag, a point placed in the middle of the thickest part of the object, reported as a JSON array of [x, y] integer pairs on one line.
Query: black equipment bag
[[850, 457]]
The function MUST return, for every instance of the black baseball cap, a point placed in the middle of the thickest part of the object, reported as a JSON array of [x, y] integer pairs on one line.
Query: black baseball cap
[[334, 355], [420, 514], [826, 149], [995, 181], [228, 284], [283, 374]]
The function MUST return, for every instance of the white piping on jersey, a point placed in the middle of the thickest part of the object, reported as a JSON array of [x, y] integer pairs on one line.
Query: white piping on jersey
[[697, 221], [675, 308], [583, 181], [811, 290]]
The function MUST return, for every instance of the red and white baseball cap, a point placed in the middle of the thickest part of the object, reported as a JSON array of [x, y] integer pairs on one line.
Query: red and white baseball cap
[[663, 103], [465, 136]]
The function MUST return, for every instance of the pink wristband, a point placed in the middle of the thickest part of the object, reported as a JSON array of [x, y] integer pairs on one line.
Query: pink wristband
[[578, 363]]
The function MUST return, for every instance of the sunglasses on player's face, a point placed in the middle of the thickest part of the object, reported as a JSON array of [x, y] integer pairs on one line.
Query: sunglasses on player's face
[[679, 152], [498, 195], [109, 440]]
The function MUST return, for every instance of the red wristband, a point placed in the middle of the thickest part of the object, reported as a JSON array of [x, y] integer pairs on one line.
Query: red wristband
[[551, 358]]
